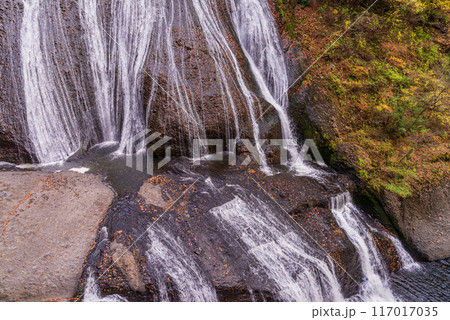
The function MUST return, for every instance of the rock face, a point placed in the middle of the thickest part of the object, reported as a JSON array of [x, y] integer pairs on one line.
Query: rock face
[[152, 195], [12, 134], [423, 219], [184, 88], [174, 235], [49, 223]]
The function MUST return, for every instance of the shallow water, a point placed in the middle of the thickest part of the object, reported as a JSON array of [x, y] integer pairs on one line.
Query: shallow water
[[430, 283]]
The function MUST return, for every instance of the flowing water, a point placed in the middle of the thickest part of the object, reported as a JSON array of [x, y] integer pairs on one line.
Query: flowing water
[[123, 37], [253, 22], [279, 252], [169, 259], [50, 113], [92, 293], [375, 286], [134, 45]]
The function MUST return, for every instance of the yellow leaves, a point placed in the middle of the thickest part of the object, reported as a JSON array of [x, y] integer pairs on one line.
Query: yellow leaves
[[443, 119], [359, 71], [382, 107], [362, 43], [395, 48], [397, 62]]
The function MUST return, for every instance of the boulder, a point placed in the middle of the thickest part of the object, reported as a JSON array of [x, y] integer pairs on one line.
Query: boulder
[[49, 222], [127, 264], [424, 219]]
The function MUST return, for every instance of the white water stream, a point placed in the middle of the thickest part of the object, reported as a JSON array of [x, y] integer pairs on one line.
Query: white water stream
[[279, 251], [170, 262], [50, 113], [254, 24], [375, 285]]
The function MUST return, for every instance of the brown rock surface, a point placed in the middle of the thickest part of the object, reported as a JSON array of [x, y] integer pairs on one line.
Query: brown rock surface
[[124, 260], [152, 195], [49, 223]]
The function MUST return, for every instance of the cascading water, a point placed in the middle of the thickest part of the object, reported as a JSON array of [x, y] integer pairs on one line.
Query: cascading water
[[169, 261], [278, 251], [53, 130], [221, 50], [254, 25], [97, 44], [117, 56], [127, 41], [92, 293], [163, 59], [407, 261], [375, 286]]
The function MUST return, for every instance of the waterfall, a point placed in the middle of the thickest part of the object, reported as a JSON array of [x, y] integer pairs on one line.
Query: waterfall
[[407, 261], [125, 43], [91, 290], [102, 72], [132, 47], [255, 27], [119, 50], [53, 129], [174, 267], [279, 253], [163, 59], [375, 286], [221, 51]]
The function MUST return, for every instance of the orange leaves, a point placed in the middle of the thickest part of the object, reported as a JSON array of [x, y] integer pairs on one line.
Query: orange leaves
[[397, 62], [17, 207]]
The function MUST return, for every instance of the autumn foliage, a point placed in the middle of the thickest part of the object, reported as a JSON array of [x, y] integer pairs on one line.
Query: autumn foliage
[[388, 79]]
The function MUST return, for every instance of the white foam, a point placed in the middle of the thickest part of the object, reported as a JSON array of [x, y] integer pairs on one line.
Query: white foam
[[80, 169]]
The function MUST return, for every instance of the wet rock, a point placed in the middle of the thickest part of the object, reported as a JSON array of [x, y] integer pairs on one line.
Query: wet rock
[[424, 219], [12, 133], [184, 93], [190, 226], [118, 265], [203, 83], [11, 151], [152, 195], [49, 223], [124, 259], [387, 251]]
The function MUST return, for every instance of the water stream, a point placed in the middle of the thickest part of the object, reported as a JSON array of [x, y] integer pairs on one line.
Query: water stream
[[134, 45], [279, 251]]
